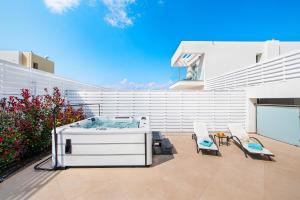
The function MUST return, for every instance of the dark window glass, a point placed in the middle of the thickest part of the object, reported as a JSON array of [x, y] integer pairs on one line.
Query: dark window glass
[[280, 101], [258, 57], [35, 65]]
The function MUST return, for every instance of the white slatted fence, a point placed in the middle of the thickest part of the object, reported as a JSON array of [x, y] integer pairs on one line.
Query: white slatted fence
[[282, 68], [169, 111]]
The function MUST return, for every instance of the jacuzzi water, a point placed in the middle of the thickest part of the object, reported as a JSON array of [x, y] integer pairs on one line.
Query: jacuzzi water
[[111, 124], [108, 123]]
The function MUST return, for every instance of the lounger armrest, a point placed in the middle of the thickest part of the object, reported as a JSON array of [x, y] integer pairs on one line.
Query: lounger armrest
[[237, 139], [257, 140], [213, 139], [194, 136], [240, 143]]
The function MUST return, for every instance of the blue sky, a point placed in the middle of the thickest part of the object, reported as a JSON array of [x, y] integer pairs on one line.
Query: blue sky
[[130, 42]]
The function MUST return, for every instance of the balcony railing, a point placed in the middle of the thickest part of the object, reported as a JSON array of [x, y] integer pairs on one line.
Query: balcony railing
[[194, 76]]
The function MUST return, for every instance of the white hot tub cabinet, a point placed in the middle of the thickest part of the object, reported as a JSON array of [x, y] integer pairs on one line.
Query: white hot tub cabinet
[[96, 147]]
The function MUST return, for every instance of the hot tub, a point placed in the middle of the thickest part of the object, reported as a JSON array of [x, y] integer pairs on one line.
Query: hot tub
[[104, 141]]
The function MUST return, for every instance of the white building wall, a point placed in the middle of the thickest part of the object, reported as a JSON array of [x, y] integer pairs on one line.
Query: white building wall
[[285, 89], [11, 56], [271, 49], [286, 47], [221, 57]]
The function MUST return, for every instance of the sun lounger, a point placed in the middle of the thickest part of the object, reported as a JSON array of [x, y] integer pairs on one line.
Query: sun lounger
[[250, 145], [204, 141]]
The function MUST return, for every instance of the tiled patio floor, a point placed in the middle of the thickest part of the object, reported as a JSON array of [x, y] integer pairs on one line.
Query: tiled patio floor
[[186, 175]]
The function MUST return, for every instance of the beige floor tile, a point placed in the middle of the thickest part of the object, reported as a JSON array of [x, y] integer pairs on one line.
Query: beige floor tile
[[185, 175]]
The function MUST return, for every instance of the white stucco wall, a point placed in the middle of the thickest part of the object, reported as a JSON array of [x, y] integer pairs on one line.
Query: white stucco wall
[[222, 57], [286, 47], [285, 89], [11, 56]]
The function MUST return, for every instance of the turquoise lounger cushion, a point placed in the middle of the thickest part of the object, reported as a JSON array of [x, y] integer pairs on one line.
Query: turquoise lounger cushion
[[206, 143], [255, 146]]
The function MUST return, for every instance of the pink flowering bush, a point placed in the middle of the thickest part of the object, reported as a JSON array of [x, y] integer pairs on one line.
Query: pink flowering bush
[[26, 123]]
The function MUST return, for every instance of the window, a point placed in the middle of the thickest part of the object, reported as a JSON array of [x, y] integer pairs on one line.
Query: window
[[258, 57], [35, 65]]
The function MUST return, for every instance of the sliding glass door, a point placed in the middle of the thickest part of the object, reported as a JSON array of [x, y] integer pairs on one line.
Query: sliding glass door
[[279, 123]]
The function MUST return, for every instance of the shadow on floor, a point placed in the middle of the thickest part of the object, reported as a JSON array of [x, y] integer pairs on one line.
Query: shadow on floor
[[174, 150], [210, 153], [260, 157], [26, 182], [160, 159]]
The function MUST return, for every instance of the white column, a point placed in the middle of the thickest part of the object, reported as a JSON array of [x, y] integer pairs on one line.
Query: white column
[[251, 115]]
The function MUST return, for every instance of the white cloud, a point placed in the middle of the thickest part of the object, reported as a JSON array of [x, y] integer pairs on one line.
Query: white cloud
[[60, 6], [118, 13], [124, 81], [125, 84]]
